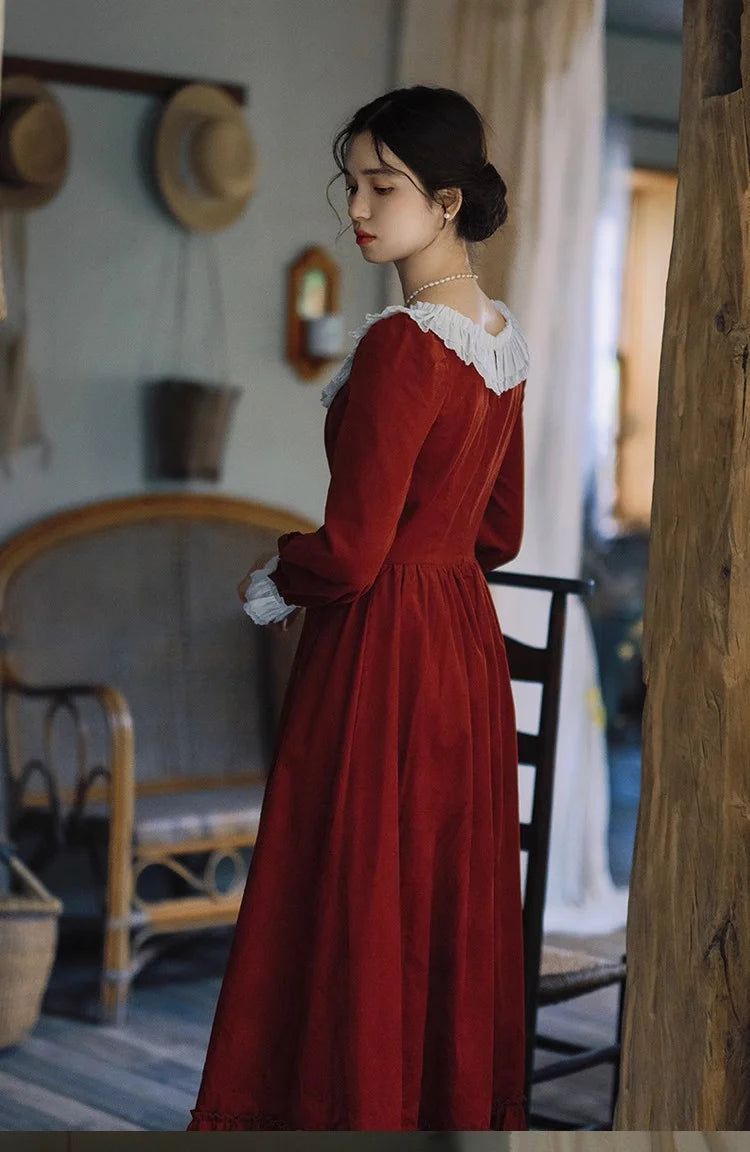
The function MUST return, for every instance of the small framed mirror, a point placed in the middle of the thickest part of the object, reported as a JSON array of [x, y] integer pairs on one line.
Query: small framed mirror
[[314, 322], [311, 295]]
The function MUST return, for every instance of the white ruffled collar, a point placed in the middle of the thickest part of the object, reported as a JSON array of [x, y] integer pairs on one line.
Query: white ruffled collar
[[501, 360]]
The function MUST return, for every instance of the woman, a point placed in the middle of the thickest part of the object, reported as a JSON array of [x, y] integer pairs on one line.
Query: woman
[[375, 979]]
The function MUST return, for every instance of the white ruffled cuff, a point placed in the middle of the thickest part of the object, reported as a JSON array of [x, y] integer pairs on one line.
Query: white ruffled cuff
[[263, 602]]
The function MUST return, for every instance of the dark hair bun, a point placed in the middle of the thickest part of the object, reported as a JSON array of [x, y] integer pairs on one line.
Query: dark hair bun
[[484, 208]]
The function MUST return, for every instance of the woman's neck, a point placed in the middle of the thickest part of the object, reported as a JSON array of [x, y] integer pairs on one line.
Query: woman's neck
[[429, 265]]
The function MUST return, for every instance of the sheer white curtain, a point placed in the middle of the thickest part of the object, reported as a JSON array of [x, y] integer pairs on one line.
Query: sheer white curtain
[[535, 70]]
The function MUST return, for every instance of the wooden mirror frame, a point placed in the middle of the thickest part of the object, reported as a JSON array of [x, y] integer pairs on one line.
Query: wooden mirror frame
[[312, 259]]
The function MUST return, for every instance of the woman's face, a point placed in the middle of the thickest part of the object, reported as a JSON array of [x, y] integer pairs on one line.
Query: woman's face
[[386, 204]]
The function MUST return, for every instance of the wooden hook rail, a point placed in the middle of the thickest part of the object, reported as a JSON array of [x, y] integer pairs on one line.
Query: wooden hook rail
[[120, 79]]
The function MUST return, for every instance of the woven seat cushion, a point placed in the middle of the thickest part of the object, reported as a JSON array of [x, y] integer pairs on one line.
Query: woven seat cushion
[[566, 973], [210, 813]]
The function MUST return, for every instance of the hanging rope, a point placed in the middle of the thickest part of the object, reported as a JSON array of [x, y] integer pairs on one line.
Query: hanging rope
[[222, 331], [19, 413]]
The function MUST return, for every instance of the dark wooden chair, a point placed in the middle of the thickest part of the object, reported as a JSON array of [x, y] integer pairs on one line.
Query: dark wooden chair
[[552, 975]]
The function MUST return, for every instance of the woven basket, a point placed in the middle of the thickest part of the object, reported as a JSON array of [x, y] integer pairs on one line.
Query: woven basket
[[190, 424], [28, 941]]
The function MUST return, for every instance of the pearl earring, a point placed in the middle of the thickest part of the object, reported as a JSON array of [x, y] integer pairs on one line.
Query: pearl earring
[[447, 215]]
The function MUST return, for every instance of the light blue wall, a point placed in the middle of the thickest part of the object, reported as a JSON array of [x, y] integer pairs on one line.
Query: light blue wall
[[102, 255]]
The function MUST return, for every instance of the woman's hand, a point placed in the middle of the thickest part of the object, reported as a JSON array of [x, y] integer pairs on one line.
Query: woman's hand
[[260, 562], [244, 584]]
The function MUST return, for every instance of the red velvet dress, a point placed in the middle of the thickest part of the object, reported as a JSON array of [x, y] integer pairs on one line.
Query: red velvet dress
[[375, 979]]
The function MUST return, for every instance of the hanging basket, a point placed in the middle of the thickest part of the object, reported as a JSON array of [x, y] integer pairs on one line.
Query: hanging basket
[[190, 423], [28, 942]]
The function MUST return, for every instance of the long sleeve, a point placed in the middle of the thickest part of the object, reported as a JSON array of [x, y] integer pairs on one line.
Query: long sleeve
[[501, 530], [396, 387]]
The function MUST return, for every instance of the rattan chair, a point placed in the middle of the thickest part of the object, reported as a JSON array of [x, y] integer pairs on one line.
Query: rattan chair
[[553, 975], [138, 708]]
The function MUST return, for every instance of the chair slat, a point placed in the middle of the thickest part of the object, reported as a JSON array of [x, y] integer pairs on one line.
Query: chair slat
[[529, 749], [526, 662]]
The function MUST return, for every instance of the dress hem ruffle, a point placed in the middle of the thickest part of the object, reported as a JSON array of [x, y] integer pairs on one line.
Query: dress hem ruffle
[[508, 1116]]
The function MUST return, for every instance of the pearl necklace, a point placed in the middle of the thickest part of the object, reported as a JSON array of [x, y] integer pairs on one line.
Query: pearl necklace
[[432, 283]]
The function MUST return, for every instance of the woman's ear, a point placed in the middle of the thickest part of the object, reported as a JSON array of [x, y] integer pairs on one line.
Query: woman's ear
[[451, 199]]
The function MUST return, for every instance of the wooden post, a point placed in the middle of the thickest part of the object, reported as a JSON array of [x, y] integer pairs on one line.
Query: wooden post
[[686, 1040]]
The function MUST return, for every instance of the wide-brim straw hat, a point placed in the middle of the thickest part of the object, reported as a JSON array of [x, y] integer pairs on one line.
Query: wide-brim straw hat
[[204, 158], [34, 144]]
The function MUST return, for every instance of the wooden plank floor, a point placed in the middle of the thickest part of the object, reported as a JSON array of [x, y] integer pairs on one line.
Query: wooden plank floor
[[74, 1074]]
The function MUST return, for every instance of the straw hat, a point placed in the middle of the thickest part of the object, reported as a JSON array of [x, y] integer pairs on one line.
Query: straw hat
[[205, 159], [34, 144]]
